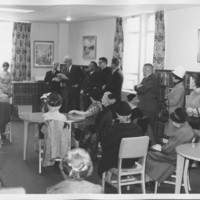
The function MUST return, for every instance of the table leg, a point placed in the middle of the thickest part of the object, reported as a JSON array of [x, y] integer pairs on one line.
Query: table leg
[[179, 173], [25, 138]]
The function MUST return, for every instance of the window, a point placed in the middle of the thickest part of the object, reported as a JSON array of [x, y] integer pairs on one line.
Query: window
[[138, 48], [6, 30]]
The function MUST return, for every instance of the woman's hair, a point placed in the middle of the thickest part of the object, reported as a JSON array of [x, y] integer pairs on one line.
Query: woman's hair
[[95, 94], [54, 99], [76, 164], [6, 64], [197, 80]]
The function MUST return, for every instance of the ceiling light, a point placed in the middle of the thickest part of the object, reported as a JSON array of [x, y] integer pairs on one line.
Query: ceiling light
[[15, 10], [68, 19]]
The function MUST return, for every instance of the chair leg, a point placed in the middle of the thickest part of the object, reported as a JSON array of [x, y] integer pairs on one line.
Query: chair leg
[[119, 185], [103, 181], [40, 157], [143, 184], [185, 177], [156, 187]]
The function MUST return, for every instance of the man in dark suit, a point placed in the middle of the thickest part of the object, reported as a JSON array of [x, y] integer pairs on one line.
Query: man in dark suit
[[91, 81], [116, 81], [147, 93], [71, 84], [105, 73], [51, 78]]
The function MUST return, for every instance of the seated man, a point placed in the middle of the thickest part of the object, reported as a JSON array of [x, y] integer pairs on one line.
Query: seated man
[[121, 128], [161, 164], [75, 167]]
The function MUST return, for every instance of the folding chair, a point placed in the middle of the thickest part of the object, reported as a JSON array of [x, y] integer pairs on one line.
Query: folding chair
[[55, 142], [135, 147]]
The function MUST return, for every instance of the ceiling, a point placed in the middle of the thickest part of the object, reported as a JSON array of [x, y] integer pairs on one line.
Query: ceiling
[[79, 10]]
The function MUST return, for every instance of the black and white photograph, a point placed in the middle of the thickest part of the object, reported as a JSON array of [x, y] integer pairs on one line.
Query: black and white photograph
[[99, 99]]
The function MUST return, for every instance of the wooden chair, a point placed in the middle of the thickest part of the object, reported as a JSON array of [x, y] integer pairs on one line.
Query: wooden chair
[[129, 148], [55, 142]]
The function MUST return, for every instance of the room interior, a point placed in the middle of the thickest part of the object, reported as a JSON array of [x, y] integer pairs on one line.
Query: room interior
[[48, 23]]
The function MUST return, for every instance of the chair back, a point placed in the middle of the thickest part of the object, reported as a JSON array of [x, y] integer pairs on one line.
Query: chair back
[[58, 137], [133, 147]]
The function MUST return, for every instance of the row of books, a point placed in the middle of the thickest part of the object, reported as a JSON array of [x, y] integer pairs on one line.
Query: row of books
[[163, 93], [29, 88], [164, 78], [24, 99]]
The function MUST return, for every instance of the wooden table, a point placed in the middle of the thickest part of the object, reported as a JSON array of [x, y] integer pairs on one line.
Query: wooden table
[[185, 152], [36, 118]]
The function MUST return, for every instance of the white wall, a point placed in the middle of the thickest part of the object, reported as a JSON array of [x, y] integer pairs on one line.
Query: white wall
[[182, 38], [49, 32], [103, 29]]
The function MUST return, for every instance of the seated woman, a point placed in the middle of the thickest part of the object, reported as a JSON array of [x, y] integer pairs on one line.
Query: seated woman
[[5, 80], [161, 164], [90, 114], [75, 167], [55, 142]]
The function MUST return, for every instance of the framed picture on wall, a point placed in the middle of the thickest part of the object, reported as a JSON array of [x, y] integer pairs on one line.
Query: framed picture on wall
[[43, 53], [89, 47]]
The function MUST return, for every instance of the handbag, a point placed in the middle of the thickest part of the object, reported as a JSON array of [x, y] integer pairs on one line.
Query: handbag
[[163, 115], [194, 121]]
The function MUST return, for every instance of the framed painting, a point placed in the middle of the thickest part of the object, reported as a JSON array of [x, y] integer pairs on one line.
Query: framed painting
[[43, 53], [89, 47]]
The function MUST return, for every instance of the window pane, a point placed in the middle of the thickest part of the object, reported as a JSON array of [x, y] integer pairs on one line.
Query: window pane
[[133, 24], [6, 30], [149, 48], [151, 23], [131, 51], [130, 81]]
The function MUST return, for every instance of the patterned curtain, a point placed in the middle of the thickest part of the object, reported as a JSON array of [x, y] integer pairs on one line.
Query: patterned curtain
[[21, 52], [119, 41], [159, 43]]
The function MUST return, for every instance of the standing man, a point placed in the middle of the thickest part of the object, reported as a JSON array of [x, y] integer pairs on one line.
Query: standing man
[[116, 81], [105, 73], [51, 78], [147, 93], [91, 81], [71, 85]]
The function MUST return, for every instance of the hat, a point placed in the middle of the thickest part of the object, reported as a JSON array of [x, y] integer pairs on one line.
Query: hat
[[179, 71], [95, 94], [123, 108], [179, 115]]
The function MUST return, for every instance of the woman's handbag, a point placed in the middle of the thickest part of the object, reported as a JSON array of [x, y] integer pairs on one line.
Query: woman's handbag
[[194, 121], [163, 115]]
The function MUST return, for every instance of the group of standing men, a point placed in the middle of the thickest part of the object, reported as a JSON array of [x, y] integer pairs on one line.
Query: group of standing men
[[73, 81]]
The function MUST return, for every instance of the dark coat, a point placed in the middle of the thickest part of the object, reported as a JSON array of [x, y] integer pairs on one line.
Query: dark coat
[[147, 93], [53, 85], [105, 75], [160, 165], [111, 143], [115, 84], [71, 90]]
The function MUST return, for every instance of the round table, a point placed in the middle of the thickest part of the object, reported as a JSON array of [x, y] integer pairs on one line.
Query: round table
[[185, 152]]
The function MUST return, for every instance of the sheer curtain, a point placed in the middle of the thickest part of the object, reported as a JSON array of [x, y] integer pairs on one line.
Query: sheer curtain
[[21, 52], [159, 42], [119, 41]]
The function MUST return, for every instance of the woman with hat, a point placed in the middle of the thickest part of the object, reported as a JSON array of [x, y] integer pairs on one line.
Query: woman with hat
[[123, 127], [176, 96], [161, 164], [75, 166]]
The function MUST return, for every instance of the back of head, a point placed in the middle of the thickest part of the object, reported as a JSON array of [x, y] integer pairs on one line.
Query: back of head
[[136, 113], [115, 62], [123, 108], [76, 164], [54, 99], [95, 94]]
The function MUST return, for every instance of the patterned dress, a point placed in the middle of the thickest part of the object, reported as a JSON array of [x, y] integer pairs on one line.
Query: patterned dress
[[5, 81]]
